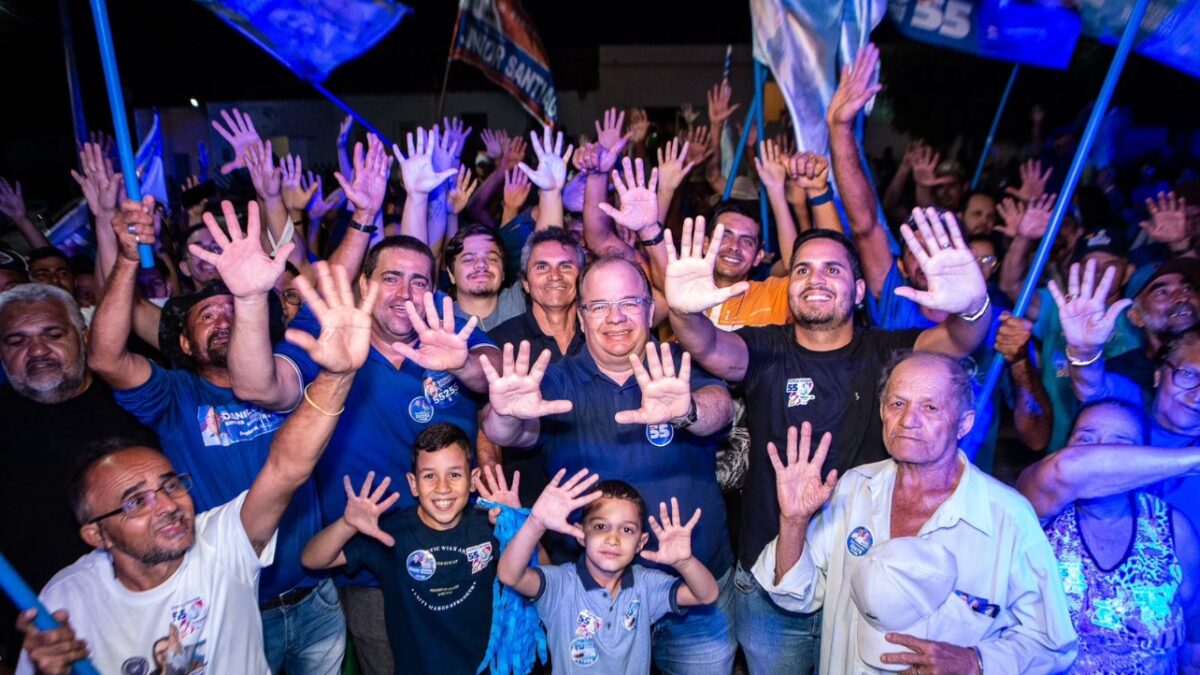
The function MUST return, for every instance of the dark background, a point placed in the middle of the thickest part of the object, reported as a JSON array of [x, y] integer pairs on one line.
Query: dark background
[[173, 50]]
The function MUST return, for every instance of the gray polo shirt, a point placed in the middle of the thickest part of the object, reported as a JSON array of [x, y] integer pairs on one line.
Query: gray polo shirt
[[589, 631], [510, 303]]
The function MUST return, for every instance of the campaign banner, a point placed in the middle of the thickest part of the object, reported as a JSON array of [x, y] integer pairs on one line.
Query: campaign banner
[[497, 37], [1020, 31], [1168, 33], [311, 36]]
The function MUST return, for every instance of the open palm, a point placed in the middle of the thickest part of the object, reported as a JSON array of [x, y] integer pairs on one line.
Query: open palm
[[345, 338], [364, 508], [639, 201], [440, 347], [244, 266], [665, 395], [690, 287], [956, 284], [798, 485], [1086, 322], [674, 537], [517, 390], [554, 506]]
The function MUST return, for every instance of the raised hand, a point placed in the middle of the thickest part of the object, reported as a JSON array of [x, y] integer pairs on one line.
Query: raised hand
[[673, 165], [516, 391], [416, 169], [699, 144], [690, 287], [639, 125], [666, 396], [798, 485], [445, 153], [296, 195], [464, 187], [639, 201], [955, 281], [551, 173], [321, 204], [195, 211], [673, 535], [133, 224], [367, 188], [491, 485], [771, 171], [1033, 181], [12, 201], [242, 263], [689, 114], [810, 172], [516, 189], [1168, 219], [557, 502], [101, 186], [267, 178], [364, 508], [1086, 324], [514, 153], [719, 109], [457, 133], [345, 338], [854, 88], [924, 168], [495, 143], [239, 132], [441, 348], [609, 134]]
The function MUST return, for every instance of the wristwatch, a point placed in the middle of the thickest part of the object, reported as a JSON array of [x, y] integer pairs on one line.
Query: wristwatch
[[656, 239], [687, 420], [367, 229]]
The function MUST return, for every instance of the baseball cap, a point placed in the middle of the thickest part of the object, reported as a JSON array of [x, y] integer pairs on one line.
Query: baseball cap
[[13, 262], [907, 585], [1101, 240], [1141, 280], [950, 167], [173, 321]]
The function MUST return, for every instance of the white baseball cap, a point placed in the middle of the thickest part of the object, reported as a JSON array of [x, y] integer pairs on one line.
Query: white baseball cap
[[906, 585]]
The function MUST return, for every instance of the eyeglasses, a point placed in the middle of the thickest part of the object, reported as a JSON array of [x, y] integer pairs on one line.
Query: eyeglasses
[[175, 486], [626, 306], [1183, 378], [292, 297]]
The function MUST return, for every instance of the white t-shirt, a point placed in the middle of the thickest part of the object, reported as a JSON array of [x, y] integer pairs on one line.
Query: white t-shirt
[[206, 615]]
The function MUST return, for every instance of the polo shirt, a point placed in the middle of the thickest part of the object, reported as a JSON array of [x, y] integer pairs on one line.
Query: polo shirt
[[588, 630], [385, 411], [658, 460], [510, 303]]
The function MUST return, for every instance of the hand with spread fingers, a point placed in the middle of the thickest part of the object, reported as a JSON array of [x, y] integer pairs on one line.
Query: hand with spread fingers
[[666, 395], [364, 508], [798, 485], [491, 485], [551, 173], [344, 342], [609, 133], [516, 391], [244, 266], [296, 195], [464, 186], [440, 347], [639, 201], [955, 282], [559, 500], [690, 286], [673, 165], [1086, 323], [416, 168], [1033, 181], [367, 187], [854, 88], [674, 536], [239, 132], [1168, 222]]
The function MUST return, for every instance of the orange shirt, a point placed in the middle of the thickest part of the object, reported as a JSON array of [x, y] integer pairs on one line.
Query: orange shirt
[[764, 304]]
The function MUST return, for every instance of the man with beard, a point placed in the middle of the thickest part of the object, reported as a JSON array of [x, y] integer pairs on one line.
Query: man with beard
[[217, 438], [475, 261], [1166, 305], [159, 569], [51, 408]]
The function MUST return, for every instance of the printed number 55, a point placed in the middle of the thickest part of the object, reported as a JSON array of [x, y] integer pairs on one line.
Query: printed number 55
[[954, 22]]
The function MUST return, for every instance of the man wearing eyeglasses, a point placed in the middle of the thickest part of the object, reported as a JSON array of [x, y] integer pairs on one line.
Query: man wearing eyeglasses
[[220, 439], [159, 570], [651, 425]]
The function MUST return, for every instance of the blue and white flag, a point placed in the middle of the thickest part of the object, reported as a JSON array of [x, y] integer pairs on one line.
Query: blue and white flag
[[1168, 34], [312, 37], [803, 43], [497, 37], [149, 163]]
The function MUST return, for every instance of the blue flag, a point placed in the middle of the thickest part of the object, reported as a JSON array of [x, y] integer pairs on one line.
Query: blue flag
[[1021, 31], [312, 37], [497, 37], [1168, 33]]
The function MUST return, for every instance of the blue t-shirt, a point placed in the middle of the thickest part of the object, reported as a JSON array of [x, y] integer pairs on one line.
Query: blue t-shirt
[[658, 460], [892, 312], [223, 443], [386, 409]]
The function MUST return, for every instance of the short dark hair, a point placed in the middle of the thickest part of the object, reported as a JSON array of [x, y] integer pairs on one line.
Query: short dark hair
[[607, 259], [439, 436], [401, 241], [454, 247], [1134, 411], [556, 234], [1178, 343], [94, 453], [619, 489], [43, 252], [960, 387], [833, 235], [742, 207]]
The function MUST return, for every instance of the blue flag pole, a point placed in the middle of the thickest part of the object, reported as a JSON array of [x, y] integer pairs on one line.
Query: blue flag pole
[[760, 81], [987, 143], [116, 101], [741, 148], [23, 597], [1074, 173]]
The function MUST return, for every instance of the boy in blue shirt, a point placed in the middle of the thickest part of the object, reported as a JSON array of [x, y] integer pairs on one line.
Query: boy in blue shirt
[[435, 562], [598, 611]]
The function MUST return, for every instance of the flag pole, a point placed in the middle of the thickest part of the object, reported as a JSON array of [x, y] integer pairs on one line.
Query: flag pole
[[1074, 173], [760, 79], [78, 119], [441, 106], [116, 102], [23, 597], [991, 136]]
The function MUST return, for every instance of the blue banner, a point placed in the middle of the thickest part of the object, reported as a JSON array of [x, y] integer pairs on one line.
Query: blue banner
[[311, 36], [497, 37], [1168, 33], [1021, 31]]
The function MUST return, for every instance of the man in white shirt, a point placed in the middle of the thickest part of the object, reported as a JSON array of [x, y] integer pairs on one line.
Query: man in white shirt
[[161, 572], [1006, 570]]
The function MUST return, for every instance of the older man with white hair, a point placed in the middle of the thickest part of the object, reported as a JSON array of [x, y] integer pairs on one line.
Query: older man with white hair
[[1005, 570]]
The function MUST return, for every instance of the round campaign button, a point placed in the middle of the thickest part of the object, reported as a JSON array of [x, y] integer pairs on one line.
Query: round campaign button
[[420, 410], [137, 665], [583, 651], [441, 388], [859, 541], [421, 564], [660, 435]]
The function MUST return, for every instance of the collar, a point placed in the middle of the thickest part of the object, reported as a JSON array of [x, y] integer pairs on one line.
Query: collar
[[589, 583], [968, 503]]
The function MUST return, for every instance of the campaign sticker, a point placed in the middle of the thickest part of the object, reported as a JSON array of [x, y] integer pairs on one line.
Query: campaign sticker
[[799, 391], [421, 564], [583, 651], [859, 541], [440, 387], [420, 409], [479, 556], [660, 435], [587, 624], [631, 615], [137, 665]]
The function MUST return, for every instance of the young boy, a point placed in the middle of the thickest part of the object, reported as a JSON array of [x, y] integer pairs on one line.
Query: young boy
[[436, 562], [598, 612]]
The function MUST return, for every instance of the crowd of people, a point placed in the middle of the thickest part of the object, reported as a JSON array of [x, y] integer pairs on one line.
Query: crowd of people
[[623, 412]]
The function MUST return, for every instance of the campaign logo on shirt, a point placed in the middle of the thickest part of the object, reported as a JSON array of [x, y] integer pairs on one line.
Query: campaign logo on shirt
[[583, 651], [799, 391], [420, 410], [441, 388], [587, 624], [234, 423], [421, 564], [629, 620], [189, 617], [859, 541], [660, 435], [479, 556]]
